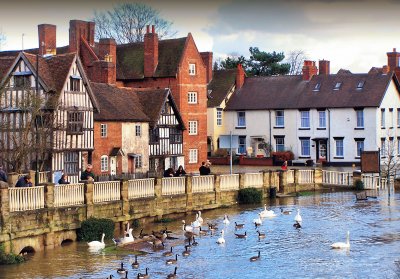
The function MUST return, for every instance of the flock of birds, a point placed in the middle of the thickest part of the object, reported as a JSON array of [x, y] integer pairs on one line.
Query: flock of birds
[[195, 229]]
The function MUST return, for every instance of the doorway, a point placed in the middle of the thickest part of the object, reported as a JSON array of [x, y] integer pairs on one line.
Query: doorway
[[321, 150]]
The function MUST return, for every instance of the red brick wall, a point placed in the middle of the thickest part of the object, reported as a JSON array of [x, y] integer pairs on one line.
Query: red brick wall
[[47, 38]]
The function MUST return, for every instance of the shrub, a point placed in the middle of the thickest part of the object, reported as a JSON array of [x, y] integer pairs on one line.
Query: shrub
[[359, 185], [93, 228], [250, 195], [221, 152], [283, 155], [9, 258]]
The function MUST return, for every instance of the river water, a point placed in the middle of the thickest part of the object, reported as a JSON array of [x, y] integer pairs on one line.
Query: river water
[[286, 252]]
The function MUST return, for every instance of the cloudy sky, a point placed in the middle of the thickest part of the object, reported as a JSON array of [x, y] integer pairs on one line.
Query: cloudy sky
[[352, 34]]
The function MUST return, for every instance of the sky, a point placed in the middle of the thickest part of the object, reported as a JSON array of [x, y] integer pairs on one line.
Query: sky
[[352, 34]]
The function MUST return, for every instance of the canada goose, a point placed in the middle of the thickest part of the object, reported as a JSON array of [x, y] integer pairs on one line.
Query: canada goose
[[297, 225], [298, 218], [126, 275], [121, 270], [342, 245], [199, 218], [166, 230], [172, 261], [221, 239], [195, 243], [261, 235], [226, 220], [186, 252], [169, 253], [285, 212], [188, 245], [267, 213], [203, 232], [212, 228], [255, 258], [172, 275], [135, 264], [241, 235], [144, 276], [143, 235], [98, 244], [239, 226]]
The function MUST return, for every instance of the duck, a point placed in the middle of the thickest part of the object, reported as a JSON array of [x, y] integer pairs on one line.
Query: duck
[[135, 264], [241, 235], [168, 253], [185, 227], [239, 226], [260, 235], [257, 221], [298, 218], [267, 213], [199, 218], [186, 252], [285, 212], [221, 239], [172, 261], [98, 244], [297, 225], [255, 258], [172, 275], [144, 276], [195, 243], [121, 270], [128, 237], [342, 245], [226, 220]]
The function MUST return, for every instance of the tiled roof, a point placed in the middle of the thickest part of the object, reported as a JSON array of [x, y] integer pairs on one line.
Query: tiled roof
[[130, 59], [222, 82], [5, 64], [291, 92]]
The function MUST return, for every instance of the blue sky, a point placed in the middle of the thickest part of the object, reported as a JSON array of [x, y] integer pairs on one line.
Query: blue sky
[[353, 35]]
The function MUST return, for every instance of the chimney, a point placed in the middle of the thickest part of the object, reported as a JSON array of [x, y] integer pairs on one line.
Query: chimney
[[385, 69], [150, 51], [324, 67], [393, 59], [208, 60], [240, 75], [103, 72], [309, 69], [47, 39], [78, 29]]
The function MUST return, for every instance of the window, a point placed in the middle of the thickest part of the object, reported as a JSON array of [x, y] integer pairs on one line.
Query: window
[[305, 147], [279, 118], [317, 87], [138, 161], [138, 130], [22, 81], [104, 163], [192, 97], [398, 146], [192, 127], [383, 147], [339, 148], [337, 86], [241, 119], [279, 143], [383, 121], [390, 147], [154, 136], [71, 163], [242, 145], [322, 119], [391, 117], [192, 69], [103, 130], [175, 135], [305, 119], [360, 85], [219, 116], [74, 84], [360, 118], [75, 122], [398, 117], [192, 156], [359, 146]]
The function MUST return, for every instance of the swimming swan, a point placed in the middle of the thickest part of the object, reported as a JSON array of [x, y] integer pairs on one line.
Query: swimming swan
[[298, 218], [97, 244], [342, 245], [267, 213], [221, 239]]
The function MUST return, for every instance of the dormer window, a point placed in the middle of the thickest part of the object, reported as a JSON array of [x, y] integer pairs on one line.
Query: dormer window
[[22, 79], [75, 83], [317, 87], [360, 85], [337, 86]]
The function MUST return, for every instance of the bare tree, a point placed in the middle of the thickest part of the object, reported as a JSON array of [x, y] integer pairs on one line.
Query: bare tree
[[126, 23], [390, 162], [296, 59], [2, 38]]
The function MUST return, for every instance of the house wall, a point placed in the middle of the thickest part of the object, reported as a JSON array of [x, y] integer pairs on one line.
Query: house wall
[[135, 144]]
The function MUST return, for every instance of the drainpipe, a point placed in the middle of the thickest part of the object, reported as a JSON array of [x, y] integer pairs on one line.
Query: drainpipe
[[329, 135], [270, 130]]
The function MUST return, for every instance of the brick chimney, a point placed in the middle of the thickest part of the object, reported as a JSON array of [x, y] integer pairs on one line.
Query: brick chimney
[[385, 69], [78, 29], [393, 59], [150, 51], [240, 75], [309, 69], [208, 60], [324, 67], [47, 39], [104, 71]]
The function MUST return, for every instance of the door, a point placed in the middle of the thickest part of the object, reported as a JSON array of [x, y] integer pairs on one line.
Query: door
[[321, 150], [113, 165]]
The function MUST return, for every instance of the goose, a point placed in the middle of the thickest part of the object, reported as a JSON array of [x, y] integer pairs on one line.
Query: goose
[[161, 235], [185, 227], [168, 253], [172, 261], [186, 252], [195, 243], [260, 235], [172, 275], [221, 239], [342, 245], [121, 270], [298, 218], [144, 276], [196, 222], [226, 220], [98, 244], [267, 213], [199, 218], [166, 230], [212, 228], [286, 212], [239, 226], [241, 235], [188, 245], [255, 258], [297, 225], [203, 232], [135, 264], [143, 235], [126, 274], [258, 221], [128, 237]]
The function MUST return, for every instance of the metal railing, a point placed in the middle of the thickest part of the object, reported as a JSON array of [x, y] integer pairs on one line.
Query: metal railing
[[306, 176], [26, 198], [69, 194], [229, 182], [106, 191], [141, 188], [337, 178], [203, 184], [253, 180], [172, 186]]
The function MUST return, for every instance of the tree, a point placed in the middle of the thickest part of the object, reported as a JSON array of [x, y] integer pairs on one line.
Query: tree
[[296, 60], [390, 162], [263, 63], [126, 23], [2, 38], [232, 61]]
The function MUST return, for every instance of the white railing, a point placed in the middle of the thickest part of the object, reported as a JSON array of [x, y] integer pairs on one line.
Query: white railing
[[202, 184], [275, 179], [173, 186], [337, 178], [106, 191], [253, 180], [290, 176], [229, 182], [370, 181], [44, 176], [306, 176], [26, 198], [141, 188], [69, 194]]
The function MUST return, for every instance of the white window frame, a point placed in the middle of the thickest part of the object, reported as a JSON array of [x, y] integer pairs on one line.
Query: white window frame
[[104, 163], [242, 145], [303, 144], [321, 119], [138, 130], [339, 146], [279, 119], [360, 118], [138, 161], [337, 85], [192, 97], [193, 156], [383, 120], [398, 118], [192, 69], [239, 118], [359, 142], [193, 127], [103, 130], [279, 144], [305, 119], [383, 147], [219, 116]]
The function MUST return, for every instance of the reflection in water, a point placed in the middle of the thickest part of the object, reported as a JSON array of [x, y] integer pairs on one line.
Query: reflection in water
[[285, 252]]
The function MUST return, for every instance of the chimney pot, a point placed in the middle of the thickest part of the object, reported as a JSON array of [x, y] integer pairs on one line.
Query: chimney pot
[[394, 49], [153, 29], [147, 29]]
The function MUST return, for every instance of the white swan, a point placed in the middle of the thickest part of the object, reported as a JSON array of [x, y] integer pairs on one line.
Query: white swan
[[97, 244], [128, 237], [267, 213], [185, 227], [199, 218], [342, 245], [221, 239], [257, 221], [196, 222], [226, 220], [298, 218]]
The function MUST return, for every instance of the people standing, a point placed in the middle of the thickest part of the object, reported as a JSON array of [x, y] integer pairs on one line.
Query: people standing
[[284, 166], [3, 174], [24, 181], [180, 171], [204, 169], [88, 174], [169, 172], [63, 179]]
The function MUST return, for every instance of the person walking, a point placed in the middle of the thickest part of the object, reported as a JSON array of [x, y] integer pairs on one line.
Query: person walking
[[63, 179], [24, 181], [3, 174], [204, 169], [88, 174], [284, 166], [180, 171]]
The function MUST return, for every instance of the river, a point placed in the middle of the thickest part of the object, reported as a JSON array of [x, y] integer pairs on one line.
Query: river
[[286, 252]]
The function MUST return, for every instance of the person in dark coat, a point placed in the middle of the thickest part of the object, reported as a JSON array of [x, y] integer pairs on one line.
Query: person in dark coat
[[87, 174], [63, 179], [204, 169], [24, 181], [169, 172], [3, 174], [180, 172]]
